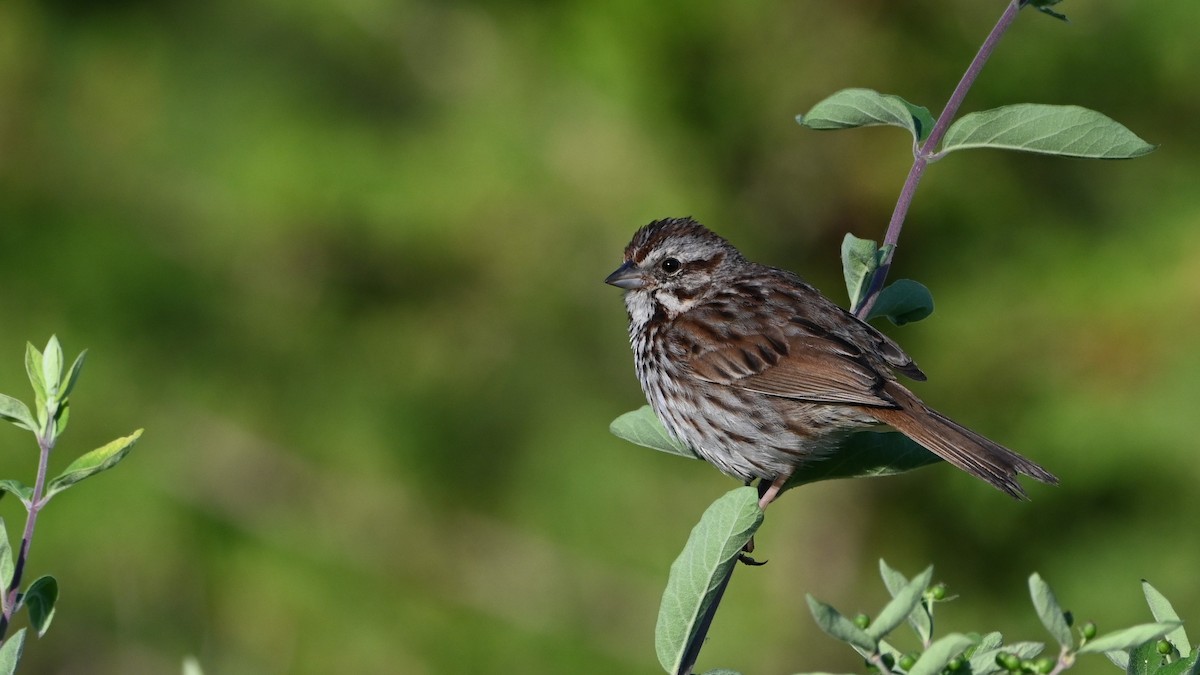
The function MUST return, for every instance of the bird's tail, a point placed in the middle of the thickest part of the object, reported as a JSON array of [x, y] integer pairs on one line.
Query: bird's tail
[[978, 456]]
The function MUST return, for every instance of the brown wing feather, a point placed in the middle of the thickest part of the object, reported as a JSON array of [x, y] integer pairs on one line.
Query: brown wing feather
[[792, 358]]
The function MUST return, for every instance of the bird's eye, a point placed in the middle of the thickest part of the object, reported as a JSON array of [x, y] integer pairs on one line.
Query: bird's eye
[[671, 265]]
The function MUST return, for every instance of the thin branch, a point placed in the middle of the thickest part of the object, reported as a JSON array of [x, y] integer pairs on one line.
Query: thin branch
[[925, 153], [45, 445]]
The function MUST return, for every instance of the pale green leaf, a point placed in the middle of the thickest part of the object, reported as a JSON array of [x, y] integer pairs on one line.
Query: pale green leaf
[[643, 427], [19, 489], [851, 108], [10, 652], [698, 576], [1119, 659], [838, 626], [1064, 130], [906, 601], [100, 459], [860, 259], [191, 666], [934, 659], [33, 368], [52, 363], [17, 412], [40, 598], [6, 564], [1128, 638], [72, 376], [1162, 610], [1049, 611]]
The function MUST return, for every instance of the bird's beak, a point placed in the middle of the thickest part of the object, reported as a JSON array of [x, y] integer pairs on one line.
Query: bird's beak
[[627, 276]]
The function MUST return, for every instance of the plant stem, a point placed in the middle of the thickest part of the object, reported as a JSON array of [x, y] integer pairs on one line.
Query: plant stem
[[925, 153], [45, 444]]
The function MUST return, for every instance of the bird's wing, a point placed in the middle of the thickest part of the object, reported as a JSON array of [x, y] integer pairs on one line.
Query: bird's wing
[[789, 355]]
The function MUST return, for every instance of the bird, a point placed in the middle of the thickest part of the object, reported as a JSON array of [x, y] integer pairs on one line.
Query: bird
[[759, 373]]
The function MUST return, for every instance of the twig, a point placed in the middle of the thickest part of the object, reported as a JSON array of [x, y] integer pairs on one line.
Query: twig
[[925, 154], [45, 445]]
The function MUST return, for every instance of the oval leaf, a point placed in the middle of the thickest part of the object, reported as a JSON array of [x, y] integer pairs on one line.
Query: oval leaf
[[934, 659], [861, 454], [1049, 611], [851, 108], [6, 563], [72, 376], [40, 599], [16, 412], [643, 427], [838, 626], [1145, 659], [100, 459], [1128, 638], [52, 363], [906, 601], [1162, 610], [860, 259], [33, 368], [1066, 130], [920, 619], [699, 574], [22, 491], [864, 454], [903, 301], [10, 652]]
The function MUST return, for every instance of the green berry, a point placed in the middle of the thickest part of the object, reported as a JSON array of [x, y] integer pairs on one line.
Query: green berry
[[1089, 630], [862, 621], [955, 663], [938, 591], [1009, 662], [1043, 666], [908, 661], [888, 660], [1070, 618], [1164, 647], [1028, 666]]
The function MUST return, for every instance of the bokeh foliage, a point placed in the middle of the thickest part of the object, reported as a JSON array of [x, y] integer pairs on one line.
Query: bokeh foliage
[[343, 260]]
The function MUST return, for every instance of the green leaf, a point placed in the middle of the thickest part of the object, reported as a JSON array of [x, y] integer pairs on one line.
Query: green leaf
[[100, 459], [919, 618], [699, 574], [861, 454], [22, 491], [643, 427], [983, 656], [838, 626], [6, 565], [52, 363], [1145, 659], [934, 659], [722, 671], [1065, 130], [40, 598], [33, 368], [1184, 666], [1119, 659], [906, 602], [860, 259], [61, 418], [72, 376], [1044, 6], [1049, 611], [10, 652], [903, 301], [851, 108], [1162, 610], [1128, 638], [865, 454], [17, 412]]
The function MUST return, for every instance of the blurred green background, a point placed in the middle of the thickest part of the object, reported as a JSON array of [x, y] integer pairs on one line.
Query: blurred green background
[[343, 261]]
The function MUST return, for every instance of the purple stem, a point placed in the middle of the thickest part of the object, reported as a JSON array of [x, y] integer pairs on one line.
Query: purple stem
[[45, 444], [923, 155]]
